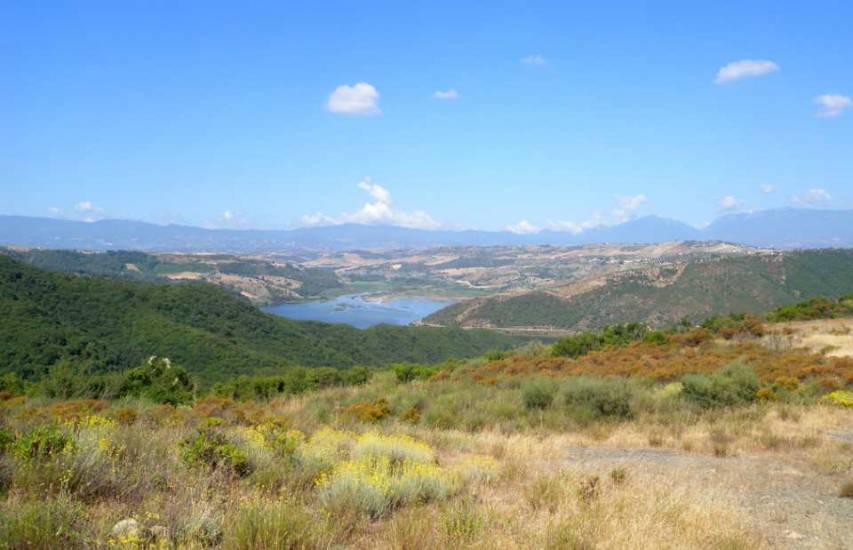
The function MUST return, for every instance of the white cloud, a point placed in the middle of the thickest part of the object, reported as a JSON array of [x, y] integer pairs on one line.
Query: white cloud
[[55, 210], [577, 227], [832, 105], [628, 204], [744, 69], [89, 211], [730, 202], [450, 94], [228, 215], [534, 59], [380, 211], [523, 227], [812, 197], [767, 189], [358, 99]]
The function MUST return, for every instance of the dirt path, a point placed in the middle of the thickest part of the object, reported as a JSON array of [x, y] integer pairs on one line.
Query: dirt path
[[790, 505]]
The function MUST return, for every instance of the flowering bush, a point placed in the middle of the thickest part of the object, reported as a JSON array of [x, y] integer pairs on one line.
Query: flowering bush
[[375, 484], [396, 448], [841, 398]]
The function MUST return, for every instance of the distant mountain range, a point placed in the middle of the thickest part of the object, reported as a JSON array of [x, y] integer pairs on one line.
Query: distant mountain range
[[782, 228]]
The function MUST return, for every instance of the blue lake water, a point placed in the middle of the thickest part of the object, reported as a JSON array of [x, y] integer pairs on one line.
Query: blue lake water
[[361, 311]]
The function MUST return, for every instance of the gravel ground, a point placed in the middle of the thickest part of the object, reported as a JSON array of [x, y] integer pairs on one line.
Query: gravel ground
[[789, 505]]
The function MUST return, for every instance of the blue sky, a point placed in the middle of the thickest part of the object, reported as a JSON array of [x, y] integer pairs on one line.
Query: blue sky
[[274, 115]]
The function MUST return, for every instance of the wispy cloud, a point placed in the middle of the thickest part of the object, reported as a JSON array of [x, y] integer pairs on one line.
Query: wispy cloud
[[89, 211], [767, 189], [745, 68], [832, 105], [628, 205], [536, 60], [575, 228], [360, 99], [813, 197], [523, 227], [450, 94], [730, 203], [379, 211], [626, 209]]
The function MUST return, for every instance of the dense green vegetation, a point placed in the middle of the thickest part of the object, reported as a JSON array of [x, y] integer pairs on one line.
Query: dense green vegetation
[[103, 325], [746, 284]]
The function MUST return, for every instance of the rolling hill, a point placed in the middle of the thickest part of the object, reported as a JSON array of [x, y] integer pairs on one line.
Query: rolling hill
[[109, 324], [663, 295]]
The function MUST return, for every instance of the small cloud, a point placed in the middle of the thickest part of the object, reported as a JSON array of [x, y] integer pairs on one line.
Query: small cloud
[[832, 105], [523, 227], [450, 94], [317, 218], [767, 189], [628, 204], [745, 68], [89, 211], [729, 202], [380, 211], [228, 216], [535, 60], [577, 227], [55, 210], [359, 99], [812, 197]]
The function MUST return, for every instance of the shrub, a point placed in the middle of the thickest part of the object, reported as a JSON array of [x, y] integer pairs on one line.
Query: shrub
[[45, 440], [612, 335], [53, 523], [209, 447], [840, 398], [370, 411], [396, 448], [374, 485], [322, 451], [6, 439], [270, 525], [406, 372], [589, 398], [846, 490], [158, 381], [538, 394], [476, 469], [735, 384]]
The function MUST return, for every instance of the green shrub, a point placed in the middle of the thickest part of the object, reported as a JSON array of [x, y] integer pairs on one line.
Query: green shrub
[[588, 398], [270, 525], [406, 372], [159, 381], [211, 448], [612, 335], [538, 394], [43, 441], [54, 523], [733, 385], [6, 439]]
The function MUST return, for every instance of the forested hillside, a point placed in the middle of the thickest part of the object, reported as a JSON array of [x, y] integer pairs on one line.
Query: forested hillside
[[108, 324], [696, 290]]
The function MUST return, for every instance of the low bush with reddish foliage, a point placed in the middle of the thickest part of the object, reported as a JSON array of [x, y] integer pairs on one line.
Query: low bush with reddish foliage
[[666, 363]]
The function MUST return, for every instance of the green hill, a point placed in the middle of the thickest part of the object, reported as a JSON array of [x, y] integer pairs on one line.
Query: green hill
[[111, 324], [744, 284]]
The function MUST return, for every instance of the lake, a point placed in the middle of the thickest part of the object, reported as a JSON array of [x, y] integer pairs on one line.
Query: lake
[[360, 311]]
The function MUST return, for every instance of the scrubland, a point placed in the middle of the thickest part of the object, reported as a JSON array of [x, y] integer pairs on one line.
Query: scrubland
[[691, 441]]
